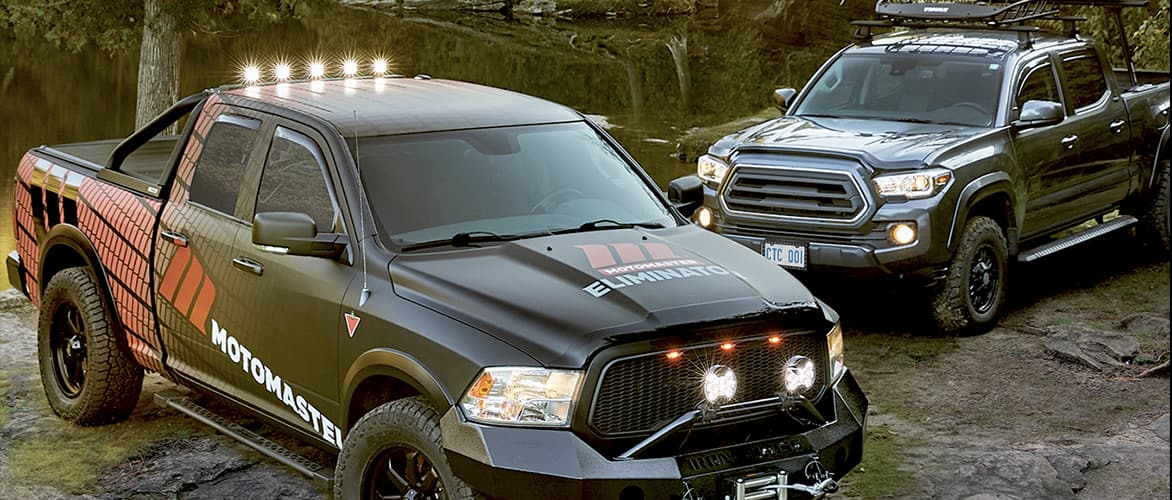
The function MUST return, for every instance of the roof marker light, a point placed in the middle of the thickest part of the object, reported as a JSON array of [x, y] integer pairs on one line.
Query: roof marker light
[[350, 68], [379, 67], [251, 74], [317, 69], [282, 72]]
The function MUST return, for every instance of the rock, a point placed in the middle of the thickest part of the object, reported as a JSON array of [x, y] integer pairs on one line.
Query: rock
[[536, 7], [1004, 475], [1160, 427], [1145, 323], [1090, 346]]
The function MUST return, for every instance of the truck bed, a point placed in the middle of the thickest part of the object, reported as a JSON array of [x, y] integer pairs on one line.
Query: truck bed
[[148, 163], [1145, 76]]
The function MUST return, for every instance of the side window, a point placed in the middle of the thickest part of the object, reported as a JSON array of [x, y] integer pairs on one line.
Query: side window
[[1039, 85], [1084, 80], [220, 167], [294, 180]]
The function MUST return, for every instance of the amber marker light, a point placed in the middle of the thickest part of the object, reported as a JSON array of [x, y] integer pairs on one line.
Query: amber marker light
[[674, 355], [483, 386], [727, 346], [776, 339]]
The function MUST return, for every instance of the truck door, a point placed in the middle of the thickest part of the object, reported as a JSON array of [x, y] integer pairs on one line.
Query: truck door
[[194, 281], [1041, 152], [293, 303]]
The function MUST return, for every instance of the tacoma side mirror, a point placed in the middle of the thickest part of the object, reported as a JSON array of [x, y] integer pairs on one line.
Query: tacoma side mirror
[[686, 194], [1039, 114], [295, 233], [783, 97]]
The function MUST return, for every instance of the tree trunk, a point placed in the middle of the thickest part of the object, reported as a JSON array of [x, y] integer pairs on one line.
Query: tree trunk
[[158, 64]]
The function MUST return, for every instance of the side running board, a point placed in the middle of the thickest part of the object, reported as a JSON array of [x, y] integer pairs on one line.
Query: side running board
[[1076, 238], [174, 399]]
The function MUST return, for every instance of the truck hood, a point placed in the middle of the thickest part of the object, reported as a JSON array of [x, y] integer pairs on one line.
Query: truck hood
[[880, 144], [561, 298]]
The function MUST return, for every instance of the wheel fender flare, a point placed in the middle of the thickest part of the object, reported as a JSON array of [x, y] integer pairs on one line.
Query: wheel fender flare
[[398, 365], [69, 236], [980, 188], [1162, 154]]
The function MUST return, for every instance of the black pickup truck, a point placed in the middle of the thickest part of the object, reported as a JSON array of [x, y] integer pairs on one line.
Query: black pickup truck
[[461, 290], [939, 152]]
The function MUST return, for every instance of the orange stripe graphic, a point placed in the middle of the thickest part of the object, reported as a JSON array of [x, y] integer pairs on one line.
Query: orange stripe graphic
[[190, 285], [175, 272], [629, 252]]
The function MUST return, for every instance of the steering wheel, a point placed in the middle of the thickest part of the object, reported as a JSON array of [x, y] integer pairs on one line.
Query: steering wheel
[[567, 193]]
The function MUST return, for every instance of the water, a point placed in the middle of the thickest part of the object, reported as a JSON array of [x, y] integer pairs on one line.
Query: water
[[650, 80]]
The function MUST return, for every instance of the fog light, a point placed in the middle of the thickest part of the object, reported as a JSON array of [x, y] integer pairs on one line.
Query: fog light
[[799, 374], [704, 217], [720, 384], [902, 234]]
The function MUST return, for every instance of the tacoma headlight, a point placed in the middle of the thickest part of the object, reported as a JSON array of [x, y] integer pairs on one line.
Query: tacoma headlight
[[919, 184], [522, 395], [834, 346], [711, 169]]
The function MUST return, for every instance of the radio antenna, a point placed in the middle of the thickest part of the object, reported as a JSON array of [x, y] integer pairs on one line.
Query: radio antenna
[[362, 211]]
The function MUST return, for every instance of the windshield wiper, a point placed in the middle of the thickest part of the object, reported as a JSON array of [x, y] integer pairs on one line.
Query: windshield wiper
[[463, 240], [604, 224]]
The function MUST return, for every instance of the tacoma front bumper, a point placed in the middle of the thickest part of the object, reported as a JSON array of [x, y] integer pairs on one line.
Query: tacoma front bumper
[[520, 463]]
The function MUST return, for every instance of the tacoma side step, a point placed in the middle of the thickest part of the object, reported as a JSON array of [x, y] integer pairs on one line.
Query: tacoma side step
[[1076, 238], [174, 399]]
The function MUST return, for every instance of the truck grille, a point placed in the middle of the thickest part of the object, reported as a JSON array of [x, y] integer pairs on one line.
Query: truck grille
[[637, 394], [783, 192]]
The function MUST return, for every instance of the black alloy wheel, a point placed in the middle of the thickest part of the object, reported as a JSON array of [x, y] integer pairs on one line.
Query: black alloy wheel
[[67, 340], [403, 473], [984, 280]]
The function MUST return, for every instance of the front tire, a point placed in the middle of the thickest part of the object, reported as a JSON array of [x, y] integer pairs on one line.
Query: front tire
[[88, 378], [973, 294], [395, 451]]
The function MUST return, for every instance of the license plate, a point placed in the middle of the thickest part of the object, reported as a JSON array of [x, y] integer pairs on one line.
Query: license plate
[[786, 254]]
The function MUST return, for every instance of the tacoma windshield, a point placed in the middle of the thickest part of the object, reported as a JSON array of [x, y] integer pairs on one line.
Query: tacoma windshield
[[502, 183], [929, 88]]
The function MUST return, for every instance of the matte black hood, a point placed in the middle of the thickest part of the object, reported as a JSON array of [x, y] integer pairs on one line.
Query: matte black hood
[[560, 298], [879, 143]]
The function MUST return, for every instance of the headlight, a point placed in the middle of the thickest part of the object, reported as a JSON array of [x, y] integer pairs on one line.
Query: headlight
[[920, 184], [834, 346], [711, 169], [522, 395]]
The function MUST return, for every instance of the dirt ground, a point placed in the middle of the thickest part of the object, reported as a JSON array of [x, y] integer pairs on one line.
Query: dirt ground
[[1002, 415]]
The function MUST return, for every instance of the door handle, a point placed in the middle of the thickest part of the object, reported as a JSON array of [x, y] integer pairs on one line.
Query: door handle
[[1068, 141], [1117, 126], [248, 265], [178, 239]]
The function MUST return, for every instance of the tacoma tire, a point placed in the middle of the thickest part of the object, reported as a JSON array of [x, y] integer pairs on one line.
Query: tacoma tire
[[973, 293], [1154, 222], [88, 378], [395, 451]]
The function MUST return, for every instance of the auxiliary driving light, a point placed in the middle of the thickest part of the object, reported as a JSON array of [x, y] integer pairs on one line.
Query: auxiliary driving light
[[704, 217], [282, 72], [251, 74], [379, 67], [350, 68], [317, 70], [902, 233], [720, 384], [799, 374]]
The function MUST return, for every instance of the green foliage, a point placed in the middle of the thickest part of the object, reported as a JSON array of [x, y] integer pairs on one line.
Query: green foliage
[[1147, 32]]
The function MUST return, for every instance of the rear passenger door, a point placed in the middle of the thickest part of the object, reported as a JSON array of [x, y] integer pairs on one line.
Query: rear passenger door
[[195, 286], [1042, 152]]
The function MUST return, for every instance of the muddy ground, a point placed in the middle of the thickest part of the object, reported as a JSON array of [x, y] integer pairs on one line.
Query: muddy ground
[[1034, 408]]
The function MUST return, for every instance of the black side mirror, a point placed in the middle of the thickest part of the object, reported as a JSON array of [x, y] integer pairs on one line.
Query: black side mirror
[[686, 194], [295, 233], [1039, 114], [783, 97]]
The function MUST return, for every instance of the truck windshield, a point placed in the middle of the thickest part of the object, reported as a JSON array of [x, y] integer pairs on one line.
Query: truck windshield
[[918, 87], [509, 182]]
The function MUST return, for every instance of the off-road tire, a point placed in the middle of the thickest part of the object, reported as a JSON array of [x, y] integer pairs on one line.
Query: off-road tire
[[1154, 221], [412, 422], [953, 308], [110, 381]]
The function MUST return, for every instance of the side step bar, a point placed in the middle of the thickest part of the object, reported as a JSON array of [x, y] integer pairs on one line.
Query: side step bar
[[1076, 238], [174, 399]]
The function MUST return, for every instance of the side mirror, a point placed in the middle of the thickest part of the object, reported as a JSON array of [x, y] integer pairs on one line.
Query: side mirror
[[295, 233], [783, 97], [686, 194], [1039, 114]]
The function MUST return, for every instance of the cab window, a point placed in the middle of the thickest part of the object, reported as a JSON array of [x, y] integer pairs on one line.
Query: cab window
[[220, 166], [294, 180], [1038, 85], [1084, 80]]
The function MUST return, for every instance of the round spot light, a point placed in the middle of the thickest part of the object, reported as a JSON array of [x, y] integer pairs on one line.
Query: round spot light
[[799, 374], [720, 384]]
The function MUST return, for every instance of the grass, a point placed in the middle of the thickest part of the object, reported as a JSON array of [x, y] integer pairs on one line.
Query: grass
[[879, 474], [85, 452]]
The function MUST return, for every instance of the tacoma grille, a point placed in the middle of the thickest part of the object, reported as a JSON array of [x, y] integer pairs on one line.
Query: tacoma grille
[[783, 192], [637, 394]]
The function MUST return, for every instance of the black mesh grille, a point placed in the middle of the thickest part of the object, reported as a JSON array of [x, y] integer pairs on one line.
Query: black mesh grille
[[637, 394], [793, 193]]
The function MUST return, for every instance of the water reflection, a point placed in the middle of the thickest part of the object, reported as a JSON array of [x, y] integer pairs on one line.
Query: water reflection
[[649, 79]]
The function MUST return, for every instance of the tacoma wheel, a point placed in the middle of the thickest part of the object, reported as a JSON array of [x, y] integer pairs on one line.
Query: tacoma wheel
[[973, 293], [1154, 221], [88, 378], [395, 451]]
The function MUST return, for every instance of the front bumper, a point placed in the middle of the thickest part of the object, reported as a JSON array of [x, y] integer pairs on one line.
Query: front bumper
[[520, 463]]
